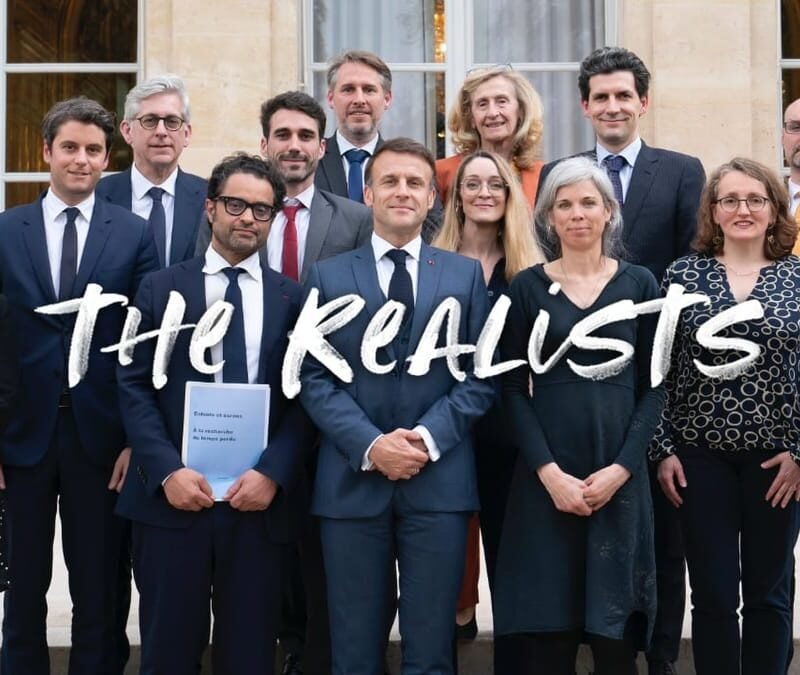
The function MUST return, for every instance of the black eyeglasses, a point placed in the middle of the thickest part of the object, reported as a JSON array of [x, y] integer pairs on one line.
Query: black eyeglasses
[[236, 207], [731, 204], [150, 122]]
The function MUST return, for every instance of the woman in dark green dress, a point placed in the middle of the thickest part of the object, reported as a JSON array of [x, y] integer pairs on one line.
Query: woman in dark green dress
[[576, 559]]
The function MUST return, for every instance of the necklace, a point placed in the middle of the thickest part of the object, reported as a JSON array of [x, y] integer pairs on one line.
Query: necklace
[[740, 273], [585, 300]]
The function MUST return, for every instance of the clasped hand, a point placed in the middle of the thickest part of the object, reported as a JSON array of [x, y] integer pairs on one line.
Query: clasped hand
[[582, 497], [188, 490], [400, 454]]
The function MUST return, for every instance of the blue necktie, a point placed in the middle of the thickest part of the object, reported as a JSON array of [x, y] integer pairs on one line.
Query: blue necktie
[[355, 176], [614, 164], [234, 348], [400, 287], [69, 256], [158, 223]]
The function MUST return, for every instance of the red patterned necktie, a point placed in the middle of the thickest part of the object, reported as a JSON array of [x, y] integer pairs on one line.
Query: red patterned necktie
[[289, 262]]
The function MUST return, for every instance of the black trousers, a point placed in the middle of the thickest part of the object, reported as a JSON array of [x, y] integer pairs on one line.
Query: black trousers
[[670, 577], [555, 654], [733, 534]]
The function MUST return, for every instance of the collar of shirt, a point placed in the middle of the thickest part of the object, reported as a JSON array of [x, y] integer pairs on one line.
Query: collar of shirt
[[305, 197], [140, 185], [794, 196], [52, 207], [630, 152], [345, 145], [385, 266], [215, 263]]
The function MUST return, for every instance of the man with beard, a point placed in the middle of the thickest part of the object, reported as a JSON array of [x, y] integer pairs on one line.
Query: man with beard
[[791, 151], [359, 93], [313, 225]]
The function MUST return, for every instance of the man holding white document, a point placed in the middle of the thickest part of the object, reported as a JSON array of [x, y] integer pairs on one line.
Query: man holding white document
[[211, 498]]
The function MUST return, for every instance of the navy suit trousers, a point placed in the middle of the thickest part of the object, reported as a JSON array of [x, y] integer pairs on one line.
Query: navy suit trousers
[[91, 539], [223, 562], [429, 548]]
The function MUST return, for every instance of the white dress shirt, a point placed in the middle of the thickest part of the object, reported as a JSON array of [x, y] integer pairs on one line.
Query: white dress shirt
[[345, 145], [54, 222], [385, 269], [302, 220], [630, 153], [216, 283], [142, 203]]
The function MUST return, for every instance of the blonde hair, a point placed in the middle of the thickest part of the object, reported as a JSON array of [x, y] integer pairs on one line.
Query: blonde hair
[[529, 129], [516, 227]]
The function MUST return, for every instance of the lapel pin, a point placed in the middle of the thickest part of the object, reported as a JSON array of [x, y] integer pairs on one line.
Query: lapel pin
[[430, 261]]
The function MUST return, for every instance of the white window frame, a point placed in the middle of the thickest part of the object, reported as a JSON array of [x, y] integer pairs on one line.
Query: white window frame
[[458, 21], [35, 68]]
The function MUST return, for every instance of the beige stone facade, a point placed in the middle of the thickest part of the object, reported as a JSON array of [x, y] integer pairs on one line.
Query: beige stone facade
[[715, 91]]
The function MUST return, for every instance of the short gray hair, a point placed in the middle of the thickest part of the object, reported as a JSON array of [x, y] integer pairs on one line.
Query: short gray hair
[[160, 84], [568, 172]]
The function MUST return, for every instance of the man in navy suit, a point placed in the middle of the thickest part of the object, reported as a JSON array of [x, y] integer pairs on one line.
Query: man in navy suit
[[158, 127], [187, 547], [396, 473], [65, 445], [359, 93], [659, 191]]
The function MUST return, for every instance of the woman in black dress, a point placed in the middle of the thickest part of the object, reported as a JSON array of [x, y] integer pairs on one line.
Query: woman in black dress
[[576, 557], [729, 445]]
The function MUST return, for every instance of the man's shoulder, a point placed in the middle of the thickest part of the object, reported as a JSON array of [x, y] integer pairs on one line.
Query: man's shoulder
[[23, 212], [118, 215], [192, 181], [588, 154], [112, 182], [663, 154], [339, 203]]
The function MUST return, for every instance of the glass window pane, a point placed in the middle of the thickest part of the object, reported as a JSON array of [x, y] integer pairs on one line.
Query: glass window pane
[[30, 96], [402, 31], [790, 29], [72, 31], [423, 121], [566, 131], [510, 31], [23, 193]]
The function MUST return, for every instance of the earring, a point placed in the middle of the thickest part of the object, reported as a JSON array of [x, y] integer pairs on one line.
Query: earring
[[770, 235], [717, 238]]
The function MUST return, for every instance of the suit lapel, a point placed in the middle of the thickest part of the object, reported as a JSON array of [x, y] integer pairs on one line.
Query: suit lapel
[[99, 231], [644, 172], [333, 168], [184, 222], [275, 303], [122, 192], [428, 275], [189, 281], [36, 245], [319, 222]]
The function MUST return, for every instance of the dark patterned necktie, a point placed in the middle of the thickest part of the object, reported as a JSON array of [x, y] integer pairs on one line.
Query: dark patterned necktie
[[614, 164], [355, 175], [158, 223]]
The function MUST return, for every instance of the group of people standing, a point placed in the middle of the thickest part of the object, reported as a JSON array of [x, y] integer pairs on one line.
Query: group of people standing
[[363, 503]]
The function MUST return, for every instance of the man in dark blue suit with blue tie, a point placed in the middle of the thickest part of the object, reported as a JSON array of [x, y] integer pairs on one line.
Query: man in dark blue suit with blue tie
[[65, 445], [158, 127], [187, 547], [396, 472]]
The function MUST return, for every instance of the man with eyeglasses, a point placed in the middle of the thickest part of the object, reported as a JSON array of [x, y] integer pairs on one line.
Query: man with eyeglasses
[[791, 152], [659, 192], [157, 126], [189, 546]]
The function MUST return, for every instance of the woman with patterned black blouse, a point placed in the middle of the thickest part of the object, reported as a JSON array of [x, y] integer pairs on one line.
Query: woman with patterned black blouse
[[728, 449]]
